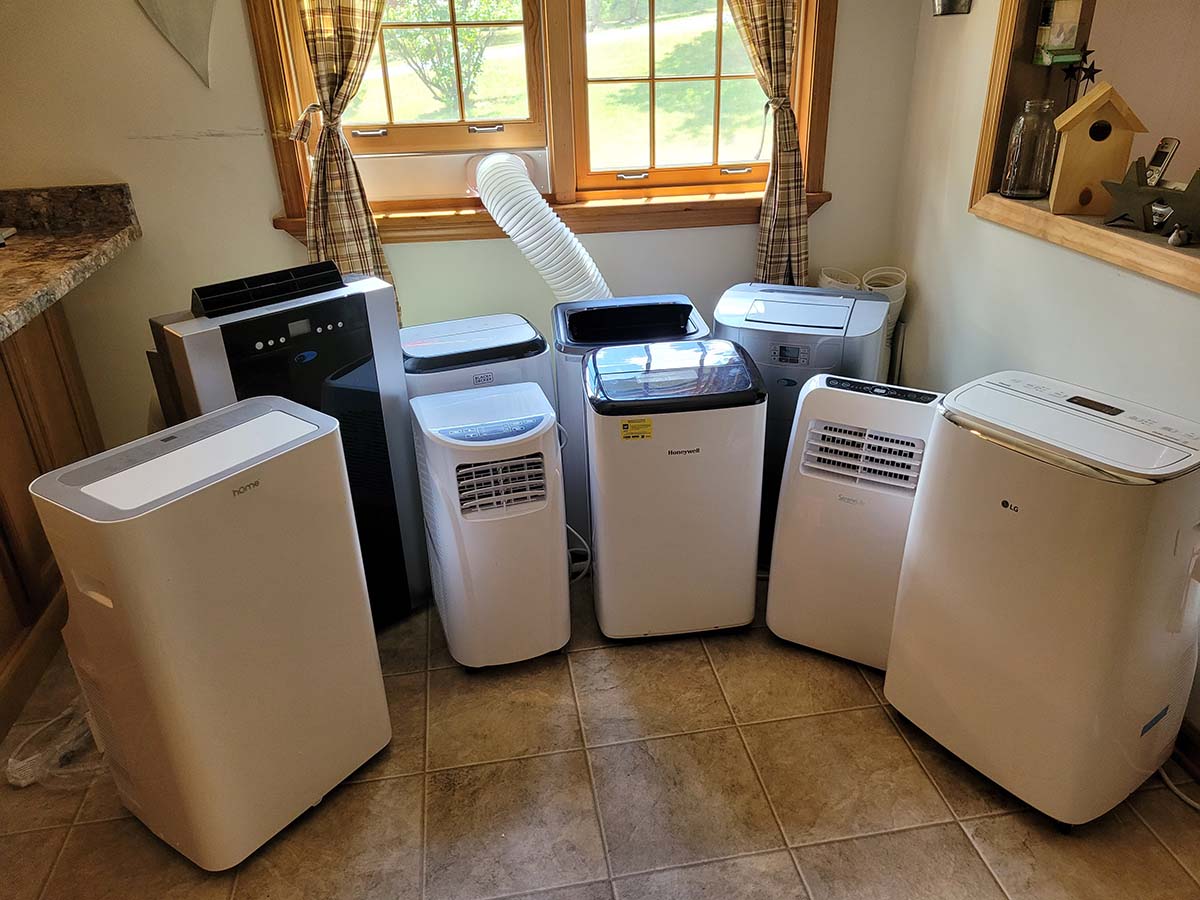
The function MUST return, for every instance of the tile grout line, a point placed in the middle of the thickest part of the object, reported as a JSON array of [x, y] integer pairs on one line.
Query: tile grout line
[[949, 806], [757, 774], [1159, 838], [587, 758], [425, 760], [54, 865]]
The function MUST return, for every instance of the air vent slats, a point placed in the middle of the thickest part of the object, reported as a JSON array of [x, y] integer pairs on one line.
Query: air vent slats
[[855, 454], [501, 483]]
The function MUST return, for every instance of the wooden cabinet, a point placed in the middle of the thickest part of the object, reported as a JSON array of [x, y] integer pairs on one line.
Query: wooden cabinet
[[46, 421]]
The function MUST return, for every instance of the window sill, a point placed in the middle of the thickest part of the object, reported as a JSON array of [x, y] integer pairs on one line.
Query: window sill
[[471, 222]]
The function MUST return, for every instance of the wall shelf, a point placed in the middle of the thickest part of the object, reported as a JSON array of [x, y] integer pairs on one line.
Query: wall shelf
[[1014, 77]]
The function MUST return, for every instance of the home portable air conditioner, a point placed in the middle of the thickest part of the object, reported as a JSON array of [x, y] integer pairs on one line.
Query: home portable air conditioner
[[476, 352], [219, 622], [675, 435], [583, 325], [852, 469], [1046, 623], [792, 334], [491, 483]]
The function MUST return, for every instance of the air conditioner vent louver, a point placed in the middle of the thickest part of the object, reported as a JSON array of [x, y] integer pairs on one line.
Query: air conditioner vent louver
[[501, 483], [851, 453]]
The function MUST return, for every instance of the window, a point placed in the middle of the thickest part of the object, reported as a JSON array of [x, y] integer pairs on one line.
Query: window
[[647, 110], [665, 95], [451, 75]]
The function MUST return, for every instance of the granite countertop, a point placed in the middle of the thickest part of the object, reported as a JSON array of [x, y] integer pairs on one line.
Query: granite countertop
[[64, 235]]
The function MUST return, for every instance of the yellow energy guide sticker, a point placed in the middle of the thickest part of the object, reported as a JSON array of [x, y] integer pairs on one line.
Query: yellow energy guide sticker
[[637, 429]]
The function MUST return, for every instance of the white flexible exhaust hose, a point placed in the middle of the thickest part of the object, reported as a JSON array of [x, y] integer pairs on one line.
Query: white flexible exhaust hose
[[541, 236]]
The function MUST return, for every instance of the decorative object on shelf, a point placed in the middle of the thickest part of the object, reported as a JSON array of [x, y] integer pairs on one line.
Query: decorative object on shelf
[[1058, 32], [951, 7], [1185, 206], [1074, 71], [186, 26], [1096, 137], [1029, 164], [1180, 237], [1132, 198]]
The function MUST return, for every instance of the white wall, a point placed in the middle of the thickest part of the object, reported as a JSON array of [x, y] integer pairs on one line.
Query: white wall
[[93, 93], [985, 297]]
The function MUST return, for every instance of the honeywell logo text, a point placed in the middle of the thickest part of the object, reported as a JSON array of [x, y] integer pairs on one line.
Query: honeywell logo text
[[683, 452]]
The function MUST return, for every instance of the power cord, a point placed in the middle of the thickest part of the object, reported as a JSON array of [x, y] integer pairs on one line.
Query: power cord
[[1174, 788], [585, 565]]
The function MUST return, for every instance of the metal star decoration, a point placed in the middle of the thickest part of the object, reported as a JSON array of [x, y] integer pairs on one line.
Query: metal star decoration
[[1083, 70], [1088, 74], [1132, 199]]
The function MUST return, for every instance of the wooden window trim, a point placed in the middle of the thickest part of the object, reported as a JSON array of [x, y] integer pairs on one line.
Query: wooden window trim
[[1135, 251], [669, 206]]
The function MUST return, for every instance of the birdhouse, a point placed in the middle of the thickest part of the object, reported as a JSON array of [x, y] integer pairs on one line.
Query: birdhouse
[[1095, 138]]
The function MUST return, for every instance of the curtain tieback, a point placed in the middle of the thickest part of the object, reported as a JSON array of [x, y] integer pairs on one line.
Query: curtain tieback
[[303, 126], [791, 141]]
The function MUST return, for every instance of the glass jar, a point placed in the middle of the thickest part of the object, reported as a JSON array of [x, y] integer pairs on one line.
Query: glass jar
[[1029, 165]]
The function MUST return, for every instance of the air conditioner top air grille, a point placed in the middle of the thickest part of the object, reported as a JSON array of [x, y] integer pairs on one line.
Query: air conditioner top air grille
[[852, 453], [501, 483]]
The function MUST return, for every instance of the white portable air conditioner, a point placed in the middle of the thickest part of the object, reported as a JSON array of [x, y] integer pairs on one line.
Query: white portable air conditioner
[[491, 484], [479, 351], [219, 622], [847, 492], [675, 438], [1046, 621]]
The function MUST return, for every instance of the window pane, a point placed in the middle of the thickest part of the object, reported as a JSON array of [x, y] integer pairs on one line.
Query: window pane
[[683, 123], [492, 61], [618, 38], [742, 122], [488, 10], [685, 37], [369, 105], [619, 126], [417, 11], [734, 59], [421, 74]]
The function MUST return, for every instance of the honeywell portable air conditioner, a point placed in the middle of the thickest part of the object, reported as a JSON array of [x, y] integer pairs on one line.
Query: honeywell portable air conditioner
[[219, 622], [792, 334], [331, 343], [852, 469], [583, 325], [491, 484], [475, 352], [1046, 621], [675, 435]]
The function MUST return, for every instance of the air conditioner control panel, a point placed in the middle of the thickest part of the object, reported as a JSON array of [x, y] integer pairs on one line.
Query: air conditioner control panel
[[881, 390]]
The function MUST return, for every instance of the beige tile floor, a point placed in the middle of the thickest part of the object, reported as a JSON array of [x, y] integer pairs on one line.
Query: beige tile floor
[[728, 767]]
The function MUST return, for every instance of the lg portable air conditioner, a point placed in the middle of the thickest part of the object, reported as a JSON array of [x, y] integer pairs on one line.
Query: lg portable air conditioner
[[332, 344], [477, 352], [1046, 621], [219, 622], [852, 469], [491, 485], [583, 325], [792, 334], [675, 435]]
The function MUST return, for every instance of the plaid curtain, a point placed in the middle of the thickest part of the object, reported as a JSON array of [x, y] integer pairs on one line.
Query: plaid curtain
[[768, 29], [340, 35]]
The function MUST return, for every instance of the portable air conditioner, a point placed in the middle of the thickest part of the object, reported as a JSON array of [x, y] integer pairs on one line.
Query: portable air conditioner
[[848, 483], [491, 485], [583, 325], [310, 335], [475, 352], [792, 334], [219, 622], [675, 436], [1046, 620]]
